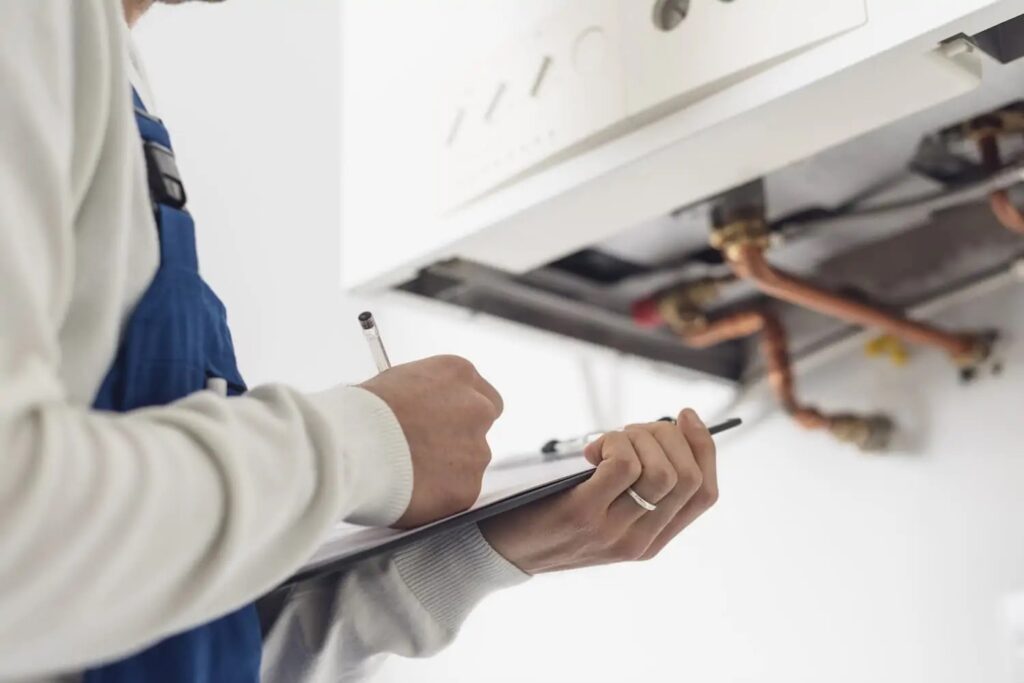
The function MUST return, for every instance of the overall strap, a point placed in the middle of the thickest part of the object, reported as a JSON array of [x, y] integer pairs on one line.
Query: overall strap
[[167, 192], [174, 342]]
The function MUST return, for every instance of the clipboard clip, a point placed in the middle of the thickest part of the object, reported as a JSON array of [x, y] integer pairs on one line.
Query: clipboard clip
[[555, 447]]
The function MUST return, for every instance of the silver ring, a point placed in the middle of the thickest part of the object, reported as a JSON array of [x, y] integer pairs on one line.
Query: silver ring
[[645, 504]]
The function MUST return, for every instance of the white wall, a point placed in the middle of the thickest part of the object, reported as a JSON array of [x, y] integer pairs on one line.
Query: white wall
[[817, 565]]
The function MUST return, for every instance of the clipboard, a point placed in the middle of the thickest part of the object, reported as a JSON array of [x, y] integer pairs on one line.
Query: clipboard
[[348, 544]]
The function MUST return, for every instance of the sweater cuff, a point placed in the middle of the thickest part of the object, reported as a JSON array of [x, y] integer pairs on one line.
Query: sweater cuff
[[451, 572], [375, 455]]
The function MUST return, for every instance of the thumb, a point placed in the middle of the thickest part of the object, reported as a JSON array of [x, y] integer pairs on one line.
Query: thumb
[[592, 451]]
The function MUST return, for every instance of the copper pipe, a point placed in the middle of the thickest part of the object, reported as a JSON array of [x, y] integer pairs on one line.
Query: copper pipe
[[735, 326], [773, 349], [988, 147], [1005, 210], [869, 433], [999, 201], [748, 261]]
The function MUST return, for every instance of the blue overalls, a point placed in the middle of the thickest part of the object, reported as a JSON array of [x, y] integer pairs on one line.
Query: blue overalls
[[177, 341]]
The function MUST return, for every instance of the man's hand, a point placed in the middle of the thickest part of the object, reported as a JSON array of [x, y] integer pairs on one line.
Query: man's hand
[[446, 409], [672, 466]]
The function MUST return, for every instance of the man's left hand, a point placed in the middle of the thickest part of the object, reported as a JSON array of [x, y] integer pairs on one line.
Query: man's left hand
[[669, 465]]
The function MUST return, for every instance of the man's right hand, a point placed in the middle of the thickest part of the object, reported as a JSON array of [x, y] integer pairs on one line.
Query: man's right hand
[[445, 409]]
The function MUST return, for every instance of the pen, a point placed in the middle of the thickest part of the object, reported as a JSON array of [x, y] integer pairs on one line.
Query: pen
[[372, 334]]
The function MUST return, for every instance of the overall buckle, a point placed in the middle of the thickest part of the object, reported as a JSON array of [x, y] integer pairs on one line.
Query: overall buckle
[[165, 186]]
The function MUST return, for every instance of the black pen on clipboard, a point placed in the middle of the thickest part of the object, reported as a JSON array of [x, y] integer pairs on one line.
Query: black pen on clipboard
[[372, 334]]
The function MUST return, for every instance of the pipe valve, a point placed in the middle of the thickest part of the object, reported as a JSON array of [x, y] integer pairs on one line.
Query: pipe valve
[[979, 357], [870, 433], [747, 231]]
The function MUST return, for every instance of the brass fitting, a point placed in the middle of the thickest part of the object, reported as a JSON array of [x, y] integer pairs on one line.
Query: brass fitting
[[703, 291], [986, 129], [729, 237], [981, 357], [1007, 120], [979, 351], [682, 308], [870, 433], [681, 319], [983, 127]]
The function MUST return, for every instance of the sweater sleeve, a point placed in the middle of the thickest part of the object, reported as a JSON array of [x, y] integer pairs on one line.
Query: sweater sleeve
[[117, 530], [337, 628]]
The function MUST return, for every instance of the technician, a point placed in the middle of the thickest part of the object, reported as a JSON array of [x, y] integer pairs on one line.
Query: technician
[[148, 499]]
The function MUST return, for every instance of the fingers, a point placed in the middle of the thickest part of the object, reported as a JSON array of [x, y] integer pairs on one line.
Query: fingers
[[677, 462], [671, 438], [465, 371], [490, 393], [703, 447], [618, 468], [672, 466], [592, 451], [704, 451], [639, 451], [658, 477], [484, 400], [689, 479], [678, 473]]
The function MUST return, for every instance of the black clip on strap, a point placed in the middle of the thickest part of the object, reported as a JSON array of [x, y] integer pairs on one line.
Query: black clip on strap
[[165, 184]]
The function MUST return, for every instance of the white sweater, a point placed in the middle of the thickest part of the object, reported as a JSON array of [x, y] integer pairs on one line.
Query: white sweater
[[117, 530]]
